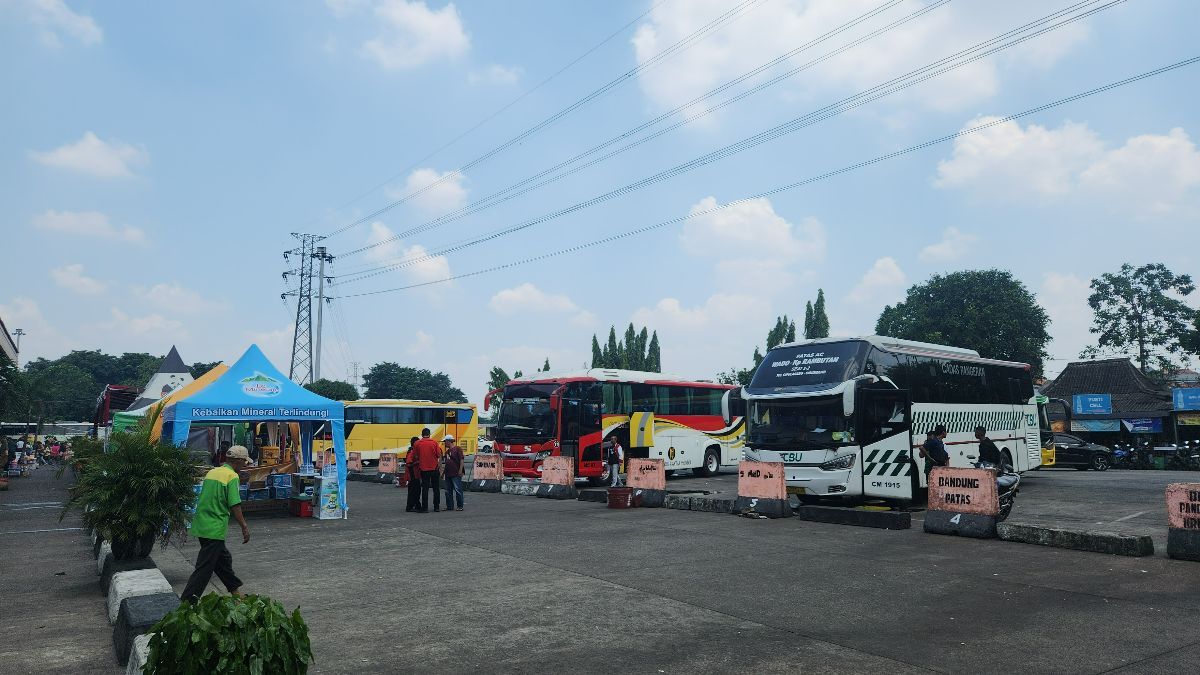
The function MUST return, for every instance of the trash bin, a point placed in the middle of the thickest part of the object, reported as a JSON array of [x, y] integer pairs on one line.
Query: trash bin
[[620, 497]]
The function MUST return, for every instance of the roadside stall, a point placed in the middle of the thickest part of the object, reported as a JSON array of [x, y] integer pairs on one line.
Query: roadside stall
[[253, 390]]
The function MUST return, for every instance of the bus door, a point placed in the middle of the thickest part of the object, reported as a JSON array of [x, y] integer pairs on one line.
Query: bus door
[[885, 435], [581, 429]]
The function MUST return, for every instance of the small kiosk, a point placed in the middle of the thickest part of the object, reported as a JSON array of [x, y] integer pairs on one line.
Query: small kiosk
[[253, 390]]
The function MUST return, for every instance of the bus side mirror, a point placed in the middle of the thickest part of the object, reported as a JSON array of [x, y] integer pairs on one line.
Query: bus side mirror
[[725, 414], [554, 402]]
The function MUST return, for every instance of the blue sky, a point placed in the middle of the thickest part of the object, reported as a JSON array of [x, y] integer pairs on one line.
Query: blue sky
[[155, 157]]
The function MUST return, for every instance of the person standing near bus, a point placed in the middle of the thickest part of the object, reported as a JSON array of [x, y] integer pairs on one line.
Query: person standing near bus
[[934, 449], [615, 455], [454, 459], [988, 452], [429, 457], [412, 473]]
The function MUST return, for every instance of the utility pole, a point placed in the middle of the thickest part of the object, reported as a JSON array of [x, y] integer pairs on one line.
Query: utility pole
[[19, 332], [323, 257], [354, 368], [301, 369]]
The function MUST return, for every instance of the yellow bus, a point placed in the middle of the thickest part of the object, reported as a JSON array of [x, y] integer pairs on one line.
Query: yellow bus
[[386, 425]]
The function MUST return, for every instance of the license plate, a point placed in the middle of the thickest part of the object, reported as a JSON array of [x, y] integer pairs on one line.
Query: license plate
[[786, 457], [796, 491]]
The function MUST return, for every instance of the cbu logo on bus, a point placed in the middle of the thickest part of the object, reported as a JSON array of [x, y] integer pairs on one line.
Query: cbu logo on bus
[[786, 457]]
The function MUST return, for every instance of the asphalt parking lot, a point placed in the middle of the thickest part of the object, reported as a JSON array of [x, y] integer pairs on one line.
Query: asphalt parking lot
[[522, 584]]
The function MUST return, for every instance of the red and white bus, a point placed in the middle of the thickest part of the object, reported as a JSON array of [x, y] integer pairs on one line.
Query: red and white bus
[[653, 416]]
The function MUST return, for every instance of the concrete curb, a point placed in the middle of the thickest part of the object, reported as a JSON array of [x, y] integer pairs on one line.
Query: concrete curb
[[598, 495], [883, 520], [139, 654], [648, 499], [130, 584], [703, 504], [547, 491], [526, 489], [385, 478], [97, 542], [771, 508], [137, 615], [103, 553], [1078, 540], [960, 524], [485, 485], [1183, 544], [113, 566]]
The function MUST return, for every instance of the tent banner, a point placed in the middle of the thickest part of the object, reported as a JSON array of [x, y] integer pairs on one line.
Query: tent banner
[[1146, 425], [1095, 425]]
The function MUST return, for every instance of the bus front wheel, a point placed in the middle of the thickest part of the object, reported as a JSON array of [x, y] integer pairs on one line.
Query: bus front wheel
[[712, 464]]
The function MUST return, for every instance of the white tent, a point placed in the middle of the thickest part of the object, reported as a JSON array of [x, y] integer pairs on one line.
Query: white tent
[[171, 375]]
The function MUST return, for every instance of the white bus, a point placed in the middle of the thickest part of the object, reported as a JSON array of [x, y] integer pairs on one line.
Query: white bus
[[847, 415]]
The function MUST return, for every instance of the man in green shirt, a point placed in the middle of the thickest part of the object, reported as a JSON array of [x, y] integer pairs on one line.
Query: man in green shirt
[[219, 497]]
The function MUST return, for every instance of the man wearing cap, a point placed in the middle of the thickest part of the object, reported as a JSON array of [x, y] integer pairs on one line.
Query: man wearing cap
[[219, 496], [454, 460]]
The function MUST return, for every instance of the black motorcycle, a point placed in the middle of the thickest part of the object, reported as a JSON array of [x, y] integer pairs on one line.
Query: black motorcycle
[[1008, 483]]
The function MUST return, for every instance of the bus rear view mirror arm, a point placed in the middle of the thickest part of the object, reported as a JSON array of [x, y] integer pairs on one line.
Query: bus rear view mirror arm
[[849, 391]]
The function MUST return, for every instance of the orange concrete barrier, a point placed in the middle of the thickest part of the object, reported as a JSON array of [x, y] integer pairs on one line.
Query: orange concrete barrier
[[963, 491], [558, 471], [1183, 519], [762, 490], [387, 462], [488, 466], [647, 474], [354, 461]]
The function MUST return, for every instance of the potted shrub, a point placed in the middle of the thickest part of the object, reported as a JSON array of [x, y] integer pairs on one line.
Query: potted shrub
[[224, 634], [136, 491]]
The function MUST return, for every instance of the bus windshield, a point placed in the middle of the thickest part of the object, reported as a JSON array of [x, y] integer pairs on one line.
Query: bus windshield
[[804, 366], [816, 422], [525, 414]]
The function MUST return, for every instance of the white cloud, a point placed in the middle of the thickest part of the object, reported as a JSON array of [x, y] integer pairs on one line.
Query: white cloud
[[422, 343], [150, 324], [529, 298], [72, 278], [275, 343], [55, 18], [752, 229], [774, 28], [440, 193], [91, 155], [954, 245], [414, 262], [175, 298], [1148, 175], [701, 340], [881, 284], [410, 33], [87, 223], [41, 338], [1064, 297], [496, 74]]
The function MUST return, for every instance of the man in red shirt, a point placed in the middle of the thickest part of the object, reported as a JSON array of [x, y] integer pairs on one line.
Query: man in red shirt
[[429, 456]]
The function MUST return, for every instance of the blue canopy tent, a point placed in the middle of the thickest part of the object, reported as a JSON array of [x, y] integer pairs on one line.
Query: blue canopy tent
[[254, 390]]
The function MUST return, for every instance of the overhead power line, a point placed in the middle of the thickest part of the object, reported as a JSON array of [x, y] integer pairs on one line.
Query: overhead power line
[[514, 190], [979, 51], [688, 41], [791, 186]]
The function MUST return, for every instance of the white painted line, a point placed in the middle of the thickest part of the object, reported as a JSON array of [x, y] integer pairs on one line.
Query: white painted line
[[1130, 516], [8, 506], [57, 529]]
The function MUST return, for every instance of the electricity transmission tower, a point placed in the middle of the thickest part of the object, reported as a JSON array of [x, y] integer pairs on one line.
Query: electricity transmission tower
[[304, 365]]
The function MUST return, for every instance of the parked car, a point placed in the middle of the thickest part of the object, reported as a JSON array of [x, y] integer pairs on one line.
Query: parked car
[[1074, 451]]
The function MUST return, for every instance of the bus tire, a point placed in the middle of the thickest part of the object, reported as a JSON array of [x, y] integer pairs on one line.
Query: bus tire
[[603, 480], [711, 465], [1006, 457]]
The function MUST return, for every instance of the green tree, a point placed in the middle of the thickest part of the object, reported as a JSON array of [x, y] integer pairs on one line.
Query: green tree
[[497, 378], [631, 358], [1191, 339], [13, 394], [546, 365], [612, 352], [333, 389], [820, 322], [808, 320], [391, 380], [989, 311], [199, 368], [597, 355], [134, 369], [654, 354], [1134, 312]]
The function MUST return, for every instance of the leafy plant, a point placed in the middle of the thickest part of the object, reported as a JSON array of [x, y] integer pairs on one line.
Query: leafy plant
[[1139, 310], [135, 491], [84, 450], [223, 634]]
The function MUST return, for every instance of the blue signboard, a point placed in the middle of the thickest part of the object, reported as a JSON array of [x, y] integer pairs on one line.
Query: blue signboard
[[1186, 399], [1095, 425], [1092, 404], [1146, 425]]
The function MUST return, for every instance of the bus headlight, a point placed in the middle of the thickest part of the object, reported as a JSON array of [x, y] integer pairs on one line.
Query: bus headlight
[[839, 464], [541, 455]]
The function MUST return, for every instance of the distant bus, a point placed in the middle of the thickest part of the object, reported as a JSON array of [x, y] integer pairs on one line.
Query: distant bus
[[846, 416], [654, 416], [386, 425]]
